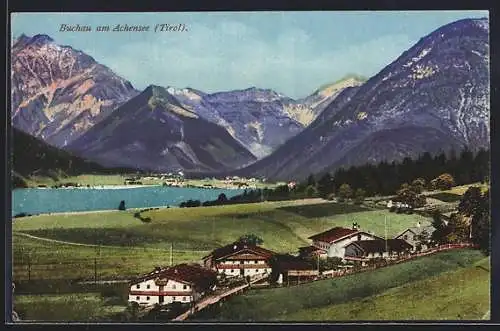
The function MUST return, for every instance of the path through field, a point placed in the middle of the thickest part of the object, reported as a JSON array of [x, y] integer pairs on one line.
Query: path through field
[[102, 246]]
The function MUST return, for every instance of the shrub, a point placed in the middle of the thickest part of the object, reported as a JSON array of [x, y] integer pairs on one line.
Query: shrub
[[443, 182]]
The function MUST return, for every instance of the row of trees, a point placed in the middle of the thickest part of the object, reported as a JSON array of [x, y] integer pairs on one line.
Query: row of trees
[[471, 223], [386, 178]]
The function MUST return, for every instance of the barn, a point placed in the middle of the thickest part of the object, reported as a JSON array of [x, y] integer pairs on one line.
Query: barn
[[333, 241]]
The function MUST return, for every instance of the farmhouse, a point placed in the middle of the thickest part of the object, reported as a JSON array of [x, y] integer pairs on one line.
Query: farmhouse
[[415, 236], [239, 259], [378, 248], [181, 283], [288, 268], [333, 241]]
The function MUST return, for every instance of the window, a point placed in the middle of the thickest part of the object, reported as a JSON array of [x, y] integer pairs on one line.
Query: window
[[359, 237], [185, 287], [257, 270], [414, 237], [380, 253], [173, 298], [173, 286], [256, 262], [147, 298], [137, 298], [138, 286], [148, 286], [183, 298], [405, 237]]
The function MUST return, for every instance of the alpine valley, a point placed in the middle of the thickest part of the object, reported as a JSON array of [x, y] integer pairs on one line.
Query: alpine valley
[[434, 97]]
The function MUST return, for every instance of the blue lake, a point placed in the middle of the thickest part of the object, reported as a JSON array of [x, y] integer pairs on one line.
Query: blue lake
[[38, 201]]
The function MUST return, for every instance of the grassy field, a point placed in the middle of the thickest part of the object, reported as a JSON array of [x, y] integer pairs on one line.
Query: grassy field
[[75, 307], [460, 190], [49, 260], [446, 197], [283, 226], [282, 303], [462, 294]]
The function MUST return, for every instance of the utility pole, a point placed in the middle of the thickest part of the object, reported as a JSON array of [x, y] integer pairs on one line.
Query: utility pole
[[385, 228], [29, 265], [171, 254]]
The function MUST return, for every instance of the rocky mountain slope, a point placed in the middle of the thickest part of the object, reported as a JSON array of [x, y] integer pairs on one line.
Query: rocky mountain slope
[[434, 97], [153, 131], [58, 92], [260, 119]]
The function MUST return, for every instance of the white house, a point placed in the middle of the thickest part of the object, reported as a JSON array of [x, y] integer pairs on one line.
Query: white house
[[182, 283], [239, 259], [333, 241], [412, 235]]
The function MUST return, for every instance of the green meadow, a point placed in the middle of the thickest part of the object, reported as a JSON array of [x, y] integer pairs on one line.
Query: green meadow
[[385, 293]]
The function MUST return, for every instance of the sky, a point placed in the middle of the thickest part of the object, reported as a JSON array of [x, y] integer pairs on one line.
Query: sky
[[292, 53]]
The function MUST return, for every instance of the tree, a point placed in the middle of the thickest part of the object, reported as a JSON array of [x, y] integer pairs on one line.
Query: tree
[[359, 196], [311, 191], [481, 224], [458, 229], [443, 182], [441, 229], [325, 185], [418, 185], [471, 201], [222, 198], [424, 238], [345, 192], [311, 181], [408, 196], [251, 239]]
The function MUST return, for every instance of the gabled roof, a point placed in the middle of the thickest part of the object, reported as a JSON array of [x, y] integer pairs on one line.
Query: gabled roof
[[192, 274], [418, 230], [338, 233], [378, 245], [333, 234], [289, 262], [238, 247]]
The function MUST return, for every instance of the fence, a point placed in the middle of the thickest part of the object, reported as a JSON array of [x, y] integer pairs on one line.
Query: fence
[[433, 250]]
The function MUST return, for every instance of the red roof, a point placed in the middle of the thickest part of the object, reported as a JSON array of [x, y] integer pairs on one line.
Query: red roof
[[193, 274], [333, 235]]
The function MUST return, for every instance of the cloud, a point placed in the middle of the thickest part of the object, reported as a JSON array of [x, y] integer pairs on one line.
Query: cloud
[[232, 55]]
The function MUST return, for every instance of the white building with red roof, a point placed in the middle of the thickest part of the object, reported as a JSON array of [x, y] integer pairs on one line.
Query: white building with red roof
[[182, 283], [332, 243], [239, 259]]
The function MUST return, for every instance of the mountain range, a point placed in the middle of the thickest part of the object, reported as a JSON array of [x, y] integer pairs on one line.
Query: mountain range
[[58, 92], [432, 98], [153, 131]]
